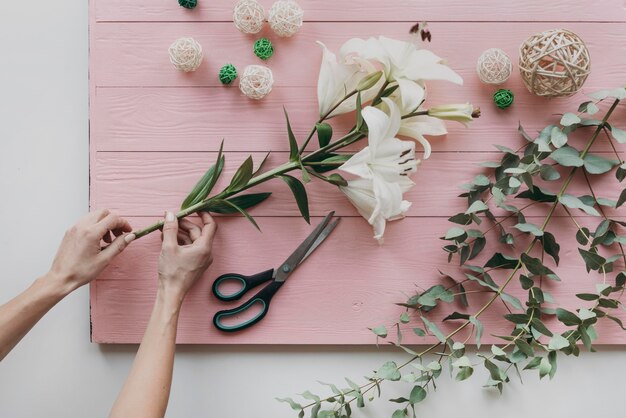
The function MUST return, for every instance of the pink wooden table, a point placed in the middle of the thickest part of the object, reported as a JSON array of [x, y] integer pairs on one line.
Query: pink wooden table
[[155, 130]]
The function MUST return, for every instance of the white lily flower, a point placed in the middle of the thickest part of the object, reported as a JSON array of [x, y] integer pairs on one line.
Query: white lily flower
[[386, 156], [378, 201], [339, 77], [403, 63], [462, 113]]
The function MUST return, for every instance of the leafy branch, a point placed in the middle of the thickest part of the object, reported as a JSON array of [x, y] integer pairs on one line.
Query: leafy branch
[[531, 345]]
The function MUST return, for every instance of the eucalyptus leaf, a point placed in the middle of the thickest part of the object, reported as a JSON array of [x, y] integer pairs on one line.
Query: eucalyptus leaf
[[550, 246], [479, 329], [434, 329], [569, 119], [621, 199], [499, 260], [538, 195], [558, 342], [512, 300], [418, 394], [618, 134], [548, 173], [574, 202], [558, 137], [593, 261], [529, 228], [389, 371], [380, 331], [618, 93], [568, 318], [595, 164], [476, 207], [567, 157]]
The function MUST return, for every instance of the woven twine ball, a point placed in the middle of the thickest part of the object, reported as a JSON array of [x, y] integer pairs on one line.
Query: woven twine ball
[[263, 48], [503, 98], [188, 4], [554, 63], [285, 17], [248, 16], [186, 54], [227, 74], [494, 66], [256, 81]]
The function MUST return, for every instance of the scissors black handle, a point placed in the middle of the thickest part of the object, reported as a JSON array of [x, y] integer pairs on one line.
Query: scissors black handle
[[246, 282], [263, 297]]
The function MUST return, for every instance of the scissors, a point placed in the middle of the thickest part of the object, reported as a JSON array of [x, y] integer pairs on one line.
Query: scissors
[[275, 277]]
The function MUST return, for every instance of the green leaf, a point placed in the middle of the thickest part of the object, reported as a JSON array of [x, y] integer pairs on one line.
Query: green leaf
[[528, 227], [548, 173], [540, 327], [418, 394], [299, 192], [456, 315], [434, 329], [242, 175], [240, 210], [495, 372], [567, 157], [389, 371], [324, 133], [567, 317], [569, 119], [593, 261], [294, 405], [479, 329], [550, 246], [204, 186], [380, 331], [595, 164], [587, 296], [260, 167], [588, 107], [524, 347], [293, 143], [476, 207], [512, 300], [454, 232], [544, 367], [558, 342], [574, 202], [620, 173], [399, 413], [535, 266], [618, 134], [499, 260], [622, 199], [243, 201], [538, 195], [558, 137], [419, 332]]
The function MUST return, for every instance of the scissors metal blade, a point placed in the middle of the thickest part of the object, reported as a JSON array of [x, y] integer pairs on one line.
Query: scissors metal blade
[[296, 257], [325, 233]]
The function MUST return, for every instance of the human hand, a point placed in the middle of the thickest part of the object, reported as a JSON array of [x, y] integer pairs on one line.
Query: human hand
[[88, 247], [185, 255]]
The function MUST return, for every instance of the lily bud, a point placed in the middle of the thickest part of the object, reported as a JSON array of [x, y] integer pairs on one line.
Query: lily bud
[[369, 81], [462, 113]]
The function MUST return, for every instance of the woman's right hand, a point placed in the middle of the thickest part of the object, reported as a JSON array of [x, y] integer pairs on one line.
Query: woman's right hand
[[186, 253]]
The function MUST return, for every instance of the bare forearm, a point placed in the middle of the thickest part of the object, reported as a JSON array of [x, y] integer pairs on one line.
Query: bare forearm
[[146, 391], [20, 314]]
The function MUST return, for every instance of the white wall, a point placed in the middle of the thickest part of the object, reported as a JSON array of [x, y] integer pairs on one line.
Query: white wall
[[56, 373]]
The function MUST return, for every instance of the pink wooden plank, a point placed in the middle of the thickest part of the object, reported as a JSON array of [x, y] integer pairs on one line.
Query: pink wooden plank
[[140, 184], [326, 301], [371, 10], [135, 54], [196, 119]]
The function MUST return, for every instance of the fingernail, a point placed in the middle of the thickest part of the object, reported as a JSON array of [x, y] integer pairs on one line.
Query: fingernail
[[129, 238], [169, 217]]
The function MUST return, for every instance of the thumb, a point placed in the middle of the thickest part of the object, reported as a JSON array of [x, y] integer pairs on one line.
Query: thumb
[[170, 230], [117, 246]]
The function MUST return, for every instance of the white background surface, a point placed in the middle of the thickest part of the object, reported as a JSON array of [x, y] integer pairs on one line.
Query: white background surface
[[57, 373]]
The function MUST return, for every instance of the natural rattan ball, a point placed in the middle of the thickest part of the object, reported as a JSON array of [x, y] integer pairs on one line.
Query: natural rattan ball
[[186, 54], [554, 63], [285, 17], [249, 16], [494, 66], [256, 81]]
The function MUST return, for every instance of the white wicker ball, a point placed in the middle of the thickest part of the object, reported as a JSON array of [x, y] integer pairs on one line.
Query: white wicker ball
[[285, 17], [494, 66], [248, 16], [186, 54], [256, 81]]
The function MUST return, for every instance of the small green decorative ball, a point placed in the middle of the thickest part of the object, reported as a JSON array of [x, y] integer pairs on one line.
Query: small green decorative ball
[[503, 98], [188, 4], [228, 74], [263, 48]]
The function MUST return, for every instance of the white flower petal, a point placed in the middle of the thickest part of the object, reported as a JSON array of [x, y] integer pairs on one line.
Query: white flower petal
[[358, 164], [412, 94], [377, 125]]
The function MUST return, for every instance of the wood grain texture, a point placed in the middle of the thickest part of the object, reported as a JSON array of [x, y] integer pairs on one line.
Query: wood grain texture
[[372, 10], [135, 54], [140, 184], [329, 300], [154, 130]]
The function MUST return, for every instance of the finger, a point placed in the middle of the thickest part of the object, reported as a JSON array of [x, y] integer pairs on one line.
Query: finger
[[117, 246], [118, 231], [208, 230], [111, 222], [192, 229], [170, 230], [183, 238], [94, 217]]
